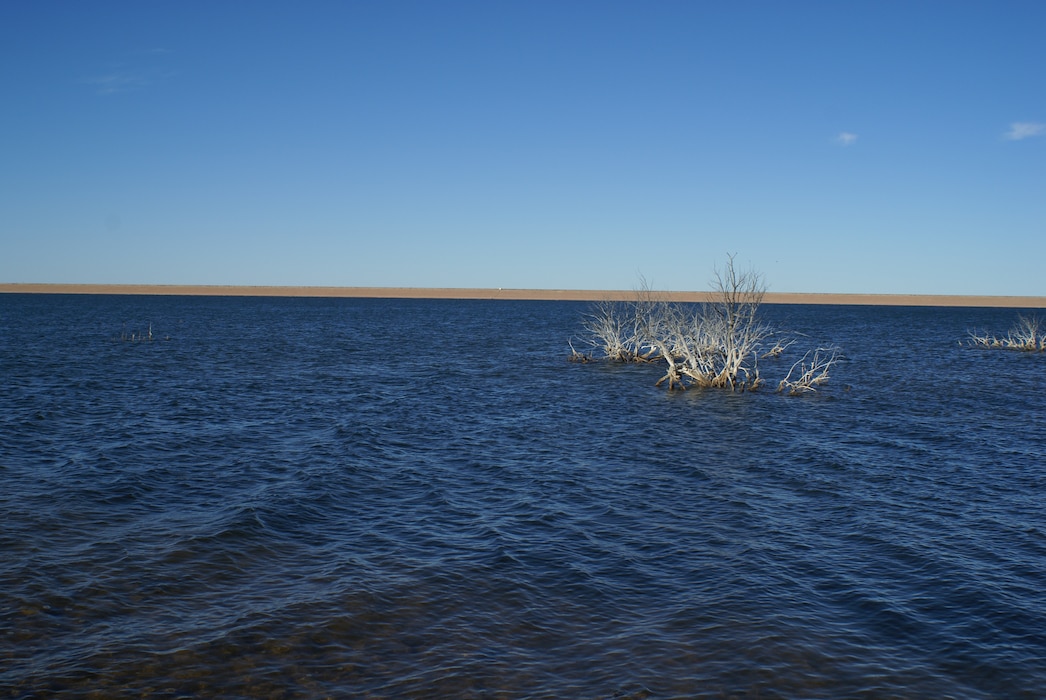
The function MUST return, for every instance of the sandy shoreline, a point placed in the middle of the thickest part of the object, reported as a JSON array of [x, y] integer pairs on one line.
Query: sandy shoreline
[[1026, 302]]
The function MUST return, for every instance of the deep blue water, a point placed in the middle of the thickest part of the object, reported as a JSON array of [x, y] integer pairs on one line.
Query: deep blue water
[[422, 498]]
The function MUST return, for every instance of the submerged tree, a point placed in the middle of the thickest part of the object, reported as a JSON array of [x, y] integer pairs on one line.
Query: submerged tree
[[612, 332], [714, 344], [1027, 335]]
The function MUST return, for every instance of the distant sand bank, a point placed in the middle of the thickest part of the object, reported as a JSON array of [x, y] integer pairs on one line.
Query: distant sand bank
[[1020, 302]]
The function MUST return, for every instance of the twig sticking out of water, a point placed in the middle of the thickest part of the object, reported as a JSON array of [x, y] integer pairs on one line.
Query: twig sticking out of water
[[139, 337]]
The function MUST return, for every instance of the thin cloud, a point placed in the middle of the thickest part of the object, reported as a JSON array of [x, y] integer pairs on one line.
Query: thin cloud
[[112, 83], [845, 138], [1024, 130], [138, 70]]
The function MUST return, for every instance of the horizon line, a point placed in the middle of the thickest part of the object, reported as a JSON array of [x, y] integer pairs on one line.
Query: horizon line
[[827, 298]]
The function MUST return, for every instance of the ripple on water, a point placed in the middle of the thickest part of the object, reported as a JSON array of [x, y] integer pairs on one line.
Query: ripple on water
[[264, 506]]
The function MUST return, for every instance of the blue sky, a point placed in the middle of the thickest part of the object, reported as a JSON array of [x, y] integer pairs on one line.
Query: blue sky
[[882, 147]]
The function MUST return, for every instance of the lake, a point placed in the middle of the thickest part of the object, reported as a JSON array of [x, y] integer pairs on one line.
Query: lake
[[279, 497]]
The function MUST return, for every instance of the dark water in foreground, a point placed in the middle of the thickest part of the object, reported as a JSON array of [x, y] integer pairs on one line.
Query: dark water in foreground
[[371, 498]]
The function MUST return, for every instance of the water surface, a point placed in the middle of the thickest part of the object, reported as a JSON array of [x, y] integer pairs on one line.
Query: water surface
[[415, 498]]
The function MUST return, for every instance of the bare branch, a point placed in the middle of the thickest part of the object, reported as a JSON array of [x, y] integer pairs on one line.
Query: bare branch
[[778, 348], [813, 371]]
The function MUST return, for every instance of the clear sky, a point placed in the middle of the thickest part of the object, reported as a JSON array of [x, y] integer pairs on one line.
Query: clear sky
[[882, 146]]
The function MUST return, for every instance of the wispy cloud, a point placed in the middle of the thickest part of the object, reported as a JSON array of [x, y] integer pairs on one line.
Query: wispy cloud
[[1024, 130], [116, 81], [846, 138], [140, 69]]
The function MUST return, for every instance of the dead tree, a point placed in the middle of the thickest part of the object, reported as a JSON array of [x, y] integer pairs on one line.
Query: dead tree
[[731, 326], [715, 344], [606, 331], [812, 371], [1026, 335], [662, 334], [621, 331]]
